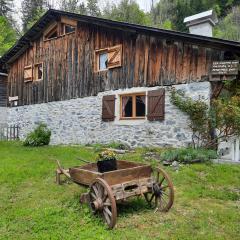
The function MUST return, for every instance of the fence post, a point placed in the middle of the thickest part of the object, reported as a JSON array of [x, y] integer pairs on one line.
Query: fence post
[[237, 150]]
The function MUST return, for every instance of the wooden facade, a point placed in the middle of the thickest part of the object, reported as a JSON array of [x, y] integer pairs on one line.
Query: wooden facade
[[148, 59]]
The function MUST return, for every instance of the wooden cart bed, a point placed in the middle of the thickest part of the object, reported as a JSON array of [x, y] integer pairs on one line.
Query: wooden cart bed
[[126, 172]]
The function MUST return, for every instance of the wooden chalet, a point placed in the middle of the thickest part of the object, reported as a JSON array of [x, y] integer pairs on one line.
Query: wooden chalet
[[69, 56]]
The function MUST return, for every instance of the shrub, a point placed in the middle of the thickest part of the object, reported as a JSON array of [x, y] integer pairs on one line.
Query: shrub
[[118, 145], [39, 137], [188, 155]]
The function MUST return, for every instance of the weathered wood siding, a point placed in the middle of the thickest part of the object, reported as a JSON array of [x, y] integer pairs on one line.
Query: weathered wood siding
[[69, 64], [3, 90]]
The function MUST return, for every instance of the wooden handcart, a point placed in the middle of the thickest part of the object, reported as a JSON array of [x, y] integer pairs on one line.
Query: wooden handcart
[[130, 179]]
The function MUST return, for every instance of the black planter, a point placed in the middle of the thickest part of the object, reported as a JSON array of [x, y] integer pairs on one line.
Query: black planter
[[107, 165]]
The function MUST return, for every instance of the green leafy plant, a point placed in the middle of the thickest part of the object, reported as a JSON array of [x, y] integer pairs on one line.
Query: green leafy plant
[[210, 124], [188, 155], [197, 110], [39, 137]]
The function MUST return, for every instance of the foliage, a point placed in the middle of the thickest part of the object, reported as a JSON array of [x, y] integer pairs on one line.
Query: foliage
[[176, 10], [73, 6], [117, 145], [126, 11], [161, 14], [93, 8], [33, 207], [227, 116], [197, 110], [7, 35], [106, 155], [210, 125], [228, 27], [6, 7], [39, 137], [32, 10], [188, 155]]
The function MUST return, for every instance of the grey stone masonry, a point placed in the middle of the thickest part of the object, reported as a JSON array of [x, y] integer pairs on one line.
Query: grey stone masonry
[[78, 121], [3, 116]]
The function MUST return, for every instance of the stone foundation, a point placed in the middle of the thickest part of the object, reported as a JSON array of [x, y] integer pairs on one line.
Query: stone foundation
[[3, 116], [78, 121]]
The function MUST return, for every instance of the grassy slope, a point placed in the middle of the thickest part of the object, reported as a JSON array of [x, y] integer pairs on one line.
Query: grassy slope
[[32, 206]]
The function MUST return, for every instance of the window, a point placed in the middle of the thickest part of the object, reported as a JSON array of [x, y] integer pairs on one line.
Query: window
[[68, 29], [103, 61], [108, 58], [133, 106], [51, 33], [28, 73], [38, 71]]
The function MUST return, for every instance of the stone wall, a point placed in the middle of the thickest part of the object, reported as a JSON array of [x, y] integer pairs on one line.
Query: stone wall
[[3, 116], [78, 121]]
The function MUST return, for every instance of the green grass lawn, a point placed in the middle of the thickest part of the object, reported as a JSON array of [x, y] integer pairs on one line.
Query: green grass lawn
[[32, 206]]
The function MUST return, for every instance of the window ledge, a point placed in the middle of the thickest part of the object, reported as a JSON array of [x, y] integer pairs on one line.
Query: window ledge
[[132, 118], [50, 39], [130, 122], [27, 81]]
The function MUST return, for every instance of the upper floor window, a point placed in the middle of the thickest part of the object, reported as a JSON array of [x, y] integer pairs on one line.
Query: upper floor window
[[51, 32], [103, 61], [69, 29], [61, 28], [108, 58]]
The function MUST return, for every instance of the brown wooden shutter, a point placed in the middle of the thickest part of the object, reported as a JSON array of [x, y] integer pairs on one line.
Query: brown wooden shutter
[[156, 105], [28, 73], [115, 56], [108, 108]]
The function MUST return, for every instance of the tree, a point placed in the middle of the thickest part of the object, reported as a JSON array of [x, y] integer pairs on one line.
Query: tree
[[228, 27], [73, 6], [32, 10], [6, 7], [126, 11], [7, 35], [93, 8], [161, 14], [176, 10]]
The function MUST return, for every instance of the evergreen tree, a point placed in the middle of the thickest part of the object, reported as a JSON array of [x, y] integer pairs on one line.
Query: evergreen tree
[[6, 7], [32, 10], [74, 6], [229, 27], [7, 35], [127, 11], [93, 8]]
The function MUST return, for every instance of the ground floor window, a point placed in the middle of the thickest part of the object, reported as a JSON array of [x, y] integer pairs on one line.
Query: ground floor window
[[133, 106]]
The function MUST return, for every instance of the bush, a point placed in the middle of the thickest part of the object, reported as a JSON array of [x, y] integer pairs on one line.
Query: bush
[[39, 137], [188, 155]]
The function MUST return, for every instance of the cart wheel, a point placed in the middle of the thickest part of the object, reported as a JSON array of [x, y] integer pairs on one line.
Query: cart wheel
[[102, 201], [162, 195]]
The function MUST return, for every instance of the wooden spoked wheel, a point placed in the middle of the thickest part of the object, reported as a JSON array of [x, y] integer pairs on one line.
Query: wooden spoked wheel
[[161, 196], [102, 201]]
